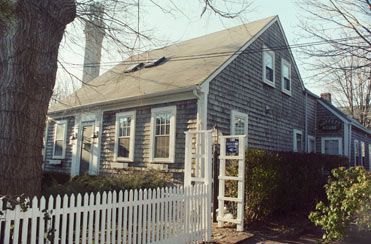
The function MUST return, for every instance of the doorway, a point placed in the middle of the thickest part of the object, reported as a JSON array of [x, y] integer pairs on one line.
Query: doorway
[[86, 148]]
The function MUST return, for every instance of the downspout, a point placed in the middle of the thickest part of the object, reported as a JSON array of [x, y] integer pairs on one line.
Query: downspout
[[201, 93], [306, 122], [198, 94]]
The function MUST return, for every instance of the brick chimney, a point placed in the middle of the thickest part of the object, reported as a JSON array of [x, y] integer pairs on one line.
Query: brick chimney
[[94, 33], [326, 96]]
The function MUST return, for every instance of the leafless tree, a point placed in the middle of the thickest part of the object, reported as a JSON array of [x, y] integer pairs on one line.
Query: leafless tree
[[341, 60], [31, 32]]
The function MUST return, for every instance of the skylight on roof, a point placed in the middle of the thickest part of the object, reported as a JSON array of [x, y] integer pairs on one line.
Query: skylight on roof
[[155, 62], [148, 64], [134, 68]]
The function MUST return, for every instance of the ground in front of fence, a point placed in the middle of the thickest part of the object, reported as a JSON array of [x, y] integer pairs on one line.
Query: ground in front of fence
[[293, 228]]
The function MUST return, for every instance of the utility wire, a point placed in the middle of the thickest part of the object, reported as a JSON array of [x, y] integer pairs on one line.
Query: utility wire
[[220, 54]]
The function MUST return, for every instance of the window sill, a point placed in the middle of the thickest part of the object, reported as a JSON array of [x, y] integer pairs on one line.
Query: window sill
[[58, 157], [162, 160], [55, 161], [268, 82], [119, 165], [287, 92], [129, 160]]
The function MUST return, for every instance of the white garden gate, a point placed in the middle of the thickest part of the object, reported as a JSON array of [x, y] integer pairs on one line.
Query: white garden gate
[[232, 148], [198, 166]]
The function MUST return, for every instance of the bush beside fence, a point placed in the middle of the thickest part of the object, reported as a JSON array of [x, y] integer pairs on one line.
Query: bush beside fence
[[281, 182]]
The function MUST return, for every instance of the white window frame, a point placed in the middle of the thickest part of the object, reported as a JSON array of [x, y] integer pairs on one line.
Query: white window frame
[[340, 143], [295, 140], [64, 123], [314, 139], [154, 112], [272, 54], [131, 114], [235, 114], [283, 89]]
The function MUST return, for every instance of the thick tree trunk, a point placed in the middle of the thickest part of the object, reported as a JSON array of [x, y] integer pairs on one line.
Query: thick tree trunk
[[29, 42]]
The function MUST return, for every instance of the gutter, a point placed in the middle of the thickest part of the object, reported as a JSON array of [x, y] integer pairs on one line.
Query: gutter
[[126, 99]]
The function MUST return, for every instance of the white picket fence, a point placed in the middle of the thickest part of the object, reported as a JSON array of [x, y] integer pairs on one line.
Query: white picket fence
[[166, 215]]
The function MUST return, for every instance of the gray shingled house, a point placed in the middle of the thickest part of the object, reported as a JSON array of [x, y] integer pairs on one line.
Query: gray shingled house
[[243, 80]]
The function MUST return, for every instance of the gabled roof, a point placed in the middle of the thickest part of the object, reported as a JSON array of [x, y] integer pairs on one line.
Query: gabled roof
[[338, 113], [189, 64]]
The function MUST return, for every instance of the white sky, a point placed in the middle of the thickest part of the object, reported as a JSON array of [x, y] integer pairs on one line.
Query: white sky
[[170, 28]]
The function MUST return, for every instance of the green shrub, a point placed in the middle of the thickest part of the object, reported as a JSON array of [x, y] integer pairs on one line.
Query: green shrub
[[115, 182], [279, 182], [349, 203]]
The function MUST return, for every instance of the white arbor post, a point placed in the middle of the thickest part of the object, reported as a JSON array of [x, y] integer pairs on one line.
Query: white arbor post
[[198, 166], [235, 145]]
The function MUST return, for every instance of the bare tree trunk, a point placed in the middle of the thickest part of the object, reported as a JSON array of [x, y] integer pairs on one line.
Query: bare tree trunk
[[29, 42]]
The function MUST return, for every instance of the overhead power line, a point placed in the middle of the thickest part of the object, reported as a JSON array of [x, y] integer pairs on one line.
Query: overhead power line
[[221, 54]]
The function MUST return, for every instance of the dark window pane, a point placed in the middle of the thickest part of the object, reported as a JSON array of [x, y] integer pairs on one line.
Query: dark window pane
[[58, 148], [268, 73], [124, 147], [299, 144], [162, 146], [287, 84]]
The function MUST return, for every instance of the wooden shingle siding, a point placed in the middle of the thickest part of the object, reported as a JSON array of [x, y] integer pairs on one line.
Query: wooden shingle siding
[[324, 114], [272, 114], [361, 136], [65, 166], [311, 115], [186, 115]]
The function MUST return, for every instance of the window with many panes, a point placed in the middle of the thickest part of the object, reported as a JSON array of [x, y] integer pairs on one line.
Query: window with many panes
[[125, 136], [268, 66], [286, 77], [298, 141], [60, 136], [239, 123], [163, 134], [331, 145]]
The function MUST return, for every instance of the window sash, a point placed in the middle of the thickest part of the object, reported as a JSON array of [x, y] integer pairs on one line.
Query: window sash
[[298, 144], [163, 123], [286, 75], [268, 66], [59, 145], [125, 136], [327, 148]]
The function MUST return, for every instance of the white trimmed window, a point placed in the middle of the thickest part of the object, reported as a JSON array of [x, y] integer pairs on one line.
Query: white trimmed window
[[239, 123], [311, 144], [286, 77], [125, 136], [357, 158], [60, 139], [297, 140], [163, 122], [332, 145], [268, 66]]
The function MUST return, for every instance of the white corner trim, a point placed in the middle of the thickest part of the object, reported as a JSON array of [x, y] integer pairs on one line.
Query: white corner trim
[[65, 125], [283, 89], [295, 139], [267, 50], [202, 99], [340, 143], [132, 115], [154, 112]]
